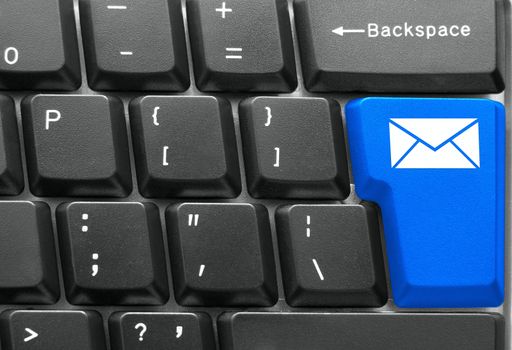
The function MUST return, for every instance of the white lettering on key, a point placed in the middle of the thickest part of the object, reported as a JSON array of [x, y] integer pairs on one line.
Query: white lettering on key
[[193, 219], [269, 116], [155, 116], [143, 328], [224, 10], [95, 267], [342, 31], [231, 50], [11, 55], [308, 229], [49, 119], [406, 30], [278, 151], [201, 270], [164, 157], [32, 335], [85, 217], [179, 332], [320, 274]]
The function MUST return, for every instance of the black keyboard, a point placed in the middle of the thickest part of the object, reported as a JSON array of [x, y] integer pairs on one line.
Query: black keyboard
[[254, 175]]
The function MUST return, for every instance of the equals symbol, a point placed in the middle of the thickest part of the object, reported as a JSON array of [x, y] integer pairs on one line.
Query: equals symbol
[[230, 53], [308, 229]]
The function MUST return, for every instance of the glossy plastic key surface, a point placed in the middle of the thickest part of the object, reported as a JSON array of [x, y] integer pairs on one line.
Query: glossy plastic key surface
[[436, 168]]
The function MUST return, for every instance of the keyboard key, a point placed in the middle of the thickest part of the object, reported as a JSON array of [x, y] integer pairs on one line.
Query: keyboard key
[[243, 45], [395, 46], [384, 331], [76, 146], [221, 254], [185, 147], [11, 174], [294, 148], [436, 167], [112, 253], [135, 45], [38, 49], [28, 273], [161, 331], [37, 330], [331, 255]]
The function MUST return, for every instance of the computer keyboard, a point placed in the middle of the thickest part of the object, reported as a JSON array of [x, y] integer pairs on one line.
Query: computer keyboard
[[254, 175]]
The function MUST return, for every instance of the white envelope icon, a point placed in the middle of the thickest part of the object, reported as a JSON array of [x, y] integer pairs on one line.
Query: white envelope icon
[[434, 143]]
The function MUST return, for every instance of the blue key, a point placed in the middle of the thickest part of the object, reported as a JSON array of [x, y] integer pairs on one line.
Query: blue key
[[436, 167]]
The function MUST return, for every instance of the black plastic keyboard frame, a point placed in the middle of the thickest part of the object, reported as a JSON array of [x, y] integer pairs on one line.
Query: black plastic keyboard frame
[[244, 197]]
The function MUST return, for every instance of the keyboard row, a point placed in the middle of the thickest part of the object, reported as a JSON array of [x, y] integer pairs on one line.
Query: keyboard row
[[220, 254], [246, 45], [83, 330], [77, 145]]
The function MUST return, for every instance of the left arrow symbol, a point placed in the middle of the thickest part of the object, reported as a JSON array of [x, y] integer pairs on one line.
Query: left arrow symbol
[[342, 31], [33, 335]]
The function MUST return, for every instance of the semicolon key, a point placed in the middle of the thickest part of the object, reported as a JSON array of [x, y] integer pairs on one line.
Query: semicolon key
[[436, 167]]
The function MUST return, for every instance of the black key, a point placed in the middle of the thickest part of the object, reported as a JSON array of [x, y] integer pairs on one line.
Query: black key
[[296, 331], [76, 146], [28, 273], [56, 330], [243, 45], [185, 147], [331, 255], [221, 254], [135, 45], [112, 253], [11, 174], [395, 46], [38, 45], [294, 148], [161, 331]]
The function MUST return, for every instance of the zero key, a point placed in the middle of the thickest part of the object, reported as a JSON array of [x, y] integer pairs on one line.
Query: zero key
[[436, 167], [402, 46], [38, 45]]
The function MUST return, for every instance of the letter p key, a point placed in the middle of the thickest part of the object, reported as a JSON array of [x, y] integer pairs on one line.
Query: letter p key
[[52, 116]]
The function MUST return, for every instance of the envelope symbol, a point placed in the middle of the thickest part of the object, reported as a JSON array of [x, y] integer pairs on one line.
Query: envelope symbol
[[434, 143]]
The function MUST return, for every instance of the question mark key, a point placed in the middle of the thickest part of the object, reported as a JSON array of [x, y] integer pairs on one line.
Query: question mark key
[[161, 331]]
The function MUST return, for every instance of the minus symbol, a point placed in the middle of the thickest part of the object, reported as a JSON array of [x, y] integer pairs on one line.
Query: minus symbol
[[115, 7], [126, 53]]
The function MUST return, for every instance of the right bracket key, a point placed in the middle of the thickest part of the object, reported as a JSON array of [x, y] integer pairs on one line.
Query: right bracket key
[[294, 148]]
